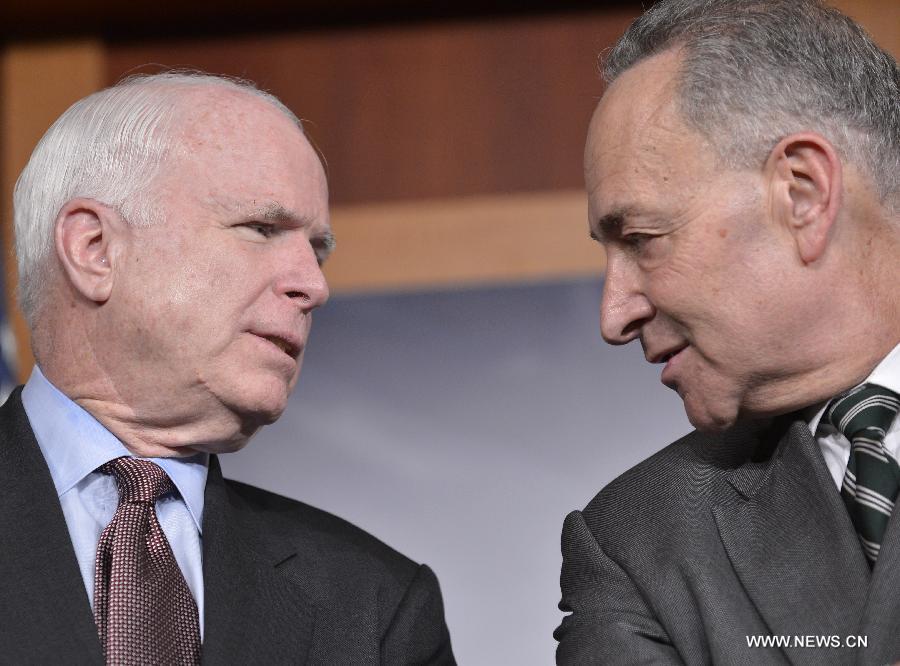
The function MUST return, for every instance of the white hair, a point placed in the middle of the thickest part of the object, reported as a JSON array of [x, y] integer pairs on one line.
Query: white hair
[[108, 147]]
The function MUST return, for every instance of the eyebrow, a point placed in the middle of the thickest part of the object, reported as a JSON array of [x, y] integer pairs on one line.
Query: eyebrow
[[275, 212], [610, 225], [327, 242]]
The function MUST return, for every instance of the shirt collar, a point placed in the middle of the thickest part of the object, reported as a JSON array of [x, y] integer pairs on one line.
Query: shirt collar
[[75, 444], [886, 374]]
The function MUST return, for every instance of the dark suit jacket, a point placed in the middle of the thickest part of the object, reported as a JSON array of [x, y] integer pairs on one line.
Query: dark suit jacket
[[717, 538], [284, 583]]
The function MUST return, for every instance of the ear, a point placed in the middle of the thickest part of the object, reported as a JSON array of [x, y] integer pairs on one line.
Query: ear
[[805, 180], [88, 241]]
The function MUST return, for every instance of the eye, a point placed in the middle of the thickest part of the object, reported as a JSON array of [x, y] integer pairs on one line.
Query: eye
[[637, 241], [322, 248], [264, 229]]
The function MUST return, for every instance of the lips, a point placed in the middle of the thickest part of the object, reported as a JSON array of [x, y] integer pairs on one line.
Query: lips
[[664, 355], [670, 355], [288, 344], [671, 359]]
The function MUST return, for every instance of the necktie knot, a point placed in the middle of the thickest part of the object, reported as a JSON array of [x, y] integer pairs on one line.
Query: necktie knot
[[139, 481], [866, 410]]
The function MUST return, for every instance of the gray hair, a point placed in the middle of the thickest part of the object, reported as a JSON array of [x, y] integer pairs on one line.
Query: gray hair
[[109, 147], [755, 71]]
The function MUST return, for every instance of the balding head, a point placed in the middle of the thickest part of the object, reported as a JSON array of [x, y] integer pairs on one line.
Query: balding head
[[108, 147], [178, 302]]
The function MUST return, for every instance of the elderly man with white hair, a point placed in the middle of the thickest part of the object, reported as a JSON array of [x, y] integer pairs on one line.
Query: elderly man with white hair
[[170, 233]]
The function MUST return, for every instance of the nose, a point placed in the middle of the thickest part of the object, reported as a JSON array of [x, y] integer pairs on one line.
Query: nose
[[624, 308], [303, 281]]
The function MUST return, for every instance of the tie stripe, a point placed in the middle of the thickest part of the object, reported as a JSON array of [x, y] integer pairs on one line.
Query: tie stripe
[[871, 447], [868, 497], [872, 479], [870, 549]]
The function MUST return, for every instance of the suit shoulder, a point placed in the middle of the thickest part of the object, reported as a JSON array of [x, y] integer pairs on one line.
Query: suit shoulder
[[335, 543], [673, 484], [654, 475]]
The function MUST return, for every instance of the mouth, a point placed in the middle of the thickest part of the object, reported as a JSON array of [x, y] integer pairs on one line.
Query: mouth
[[666, 355], [289, 347], [671, 359]]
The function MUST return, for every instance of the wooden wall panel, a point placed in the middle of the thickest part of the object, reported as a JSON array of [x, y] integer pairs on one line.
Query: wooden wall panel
[[425, 110], [428, 110], [880, 17], [462, 241], [39, 82]]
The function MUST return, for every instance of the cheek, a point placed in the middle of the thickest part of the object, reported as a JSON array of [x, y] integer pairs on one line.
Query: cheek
[[683, 288], [184, 308], [200, 283], [711, 305]]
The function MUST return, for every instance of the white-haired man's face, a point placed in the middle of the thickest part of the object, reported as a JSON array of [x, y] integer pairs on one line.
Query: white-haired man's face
[[212, 305]]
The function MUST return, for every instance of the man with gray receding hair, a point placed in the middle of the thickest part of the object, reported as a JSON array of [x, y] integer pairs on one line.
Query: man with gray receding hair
[[170, 234], [743, 174]]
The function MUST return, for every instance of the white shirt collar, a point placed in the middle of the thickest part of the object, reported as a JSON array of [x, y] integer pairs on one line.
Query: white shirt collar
[[886, 374]]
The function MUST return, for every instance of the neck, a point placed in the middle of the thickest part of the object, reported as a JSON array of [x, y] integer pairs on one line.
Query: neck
[[152, 428], [853, 323], [821, 382], [156, 421]]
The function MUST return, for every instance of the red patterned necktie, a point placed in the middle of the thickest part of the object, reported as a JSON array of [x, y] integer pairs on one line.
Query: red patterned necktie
[[143, 608]]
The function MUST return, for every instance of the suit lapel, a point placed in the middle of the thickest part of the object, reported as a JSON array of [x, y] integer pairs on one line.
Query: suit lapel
[[789, 537], [881, 623], [45, 607], [252, 613]]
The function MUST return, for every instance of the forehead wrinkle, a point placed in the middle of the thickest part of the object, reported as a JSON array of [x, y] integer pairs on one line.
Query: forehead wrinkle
[[631, 163], [625, 147], [638, 109]]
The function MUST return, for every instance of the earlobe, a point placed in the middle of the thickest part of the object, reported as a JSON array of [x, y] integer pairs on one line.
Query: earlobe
[[806, 180], [86, 243]]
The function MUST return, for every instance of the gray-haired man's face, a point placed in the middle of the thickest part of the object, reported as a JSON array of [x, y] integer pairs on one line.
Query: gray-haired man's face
[[696, 262]]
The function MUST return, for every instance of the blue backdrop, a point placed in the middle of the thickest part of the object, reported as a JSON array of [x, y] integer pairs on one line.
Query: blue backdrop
[[460, 427]]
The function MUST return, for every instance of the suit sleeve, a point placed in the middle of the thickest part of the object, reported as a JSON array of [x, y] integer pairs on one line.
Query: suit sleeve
[[609, 622], [418, 632]]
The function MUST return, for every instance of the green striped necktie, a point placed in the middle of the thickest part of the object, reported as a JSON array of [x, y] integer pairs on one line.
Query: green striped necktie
[[872, 478]]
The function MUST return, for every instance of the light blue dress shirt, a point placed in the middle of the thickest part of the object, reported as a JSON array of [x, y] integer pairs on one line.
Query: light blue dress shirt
[[74, 445]]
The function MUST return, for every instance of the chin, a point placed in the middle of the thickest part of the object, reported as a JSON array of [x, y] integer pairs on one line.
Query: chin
[[260, 403], [264, 412], [236, 443], [706, 416]]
